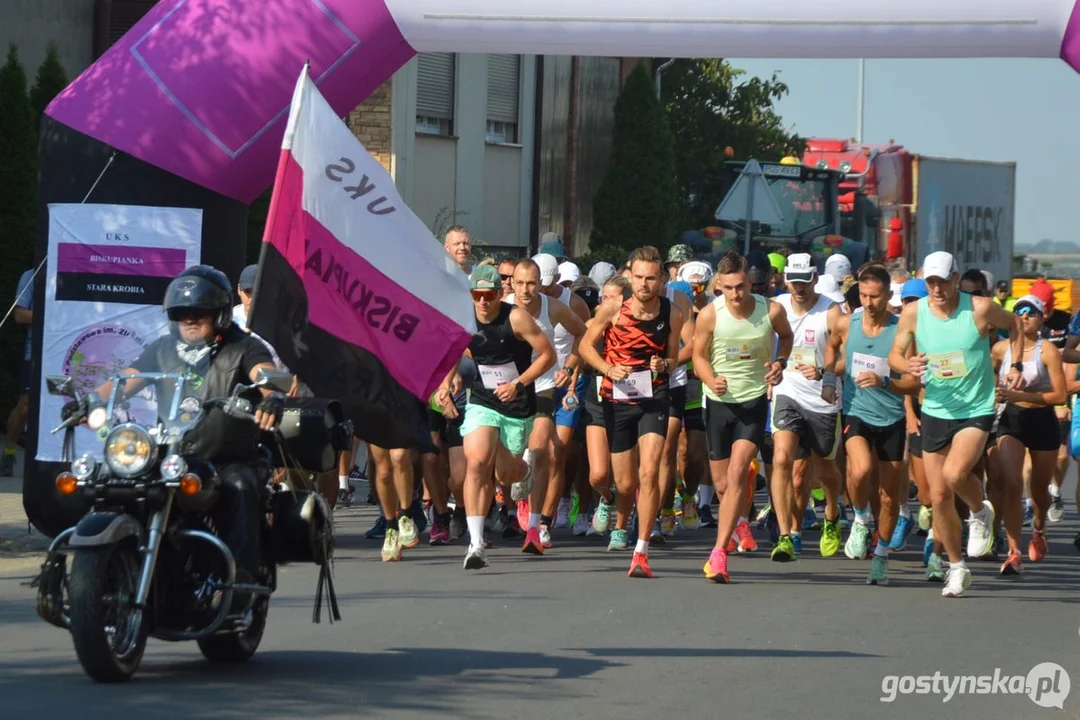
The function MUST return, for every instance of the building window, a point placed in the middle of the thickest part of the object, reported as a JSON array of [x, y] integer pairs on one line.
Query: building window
[[503, 97], [435, 94]]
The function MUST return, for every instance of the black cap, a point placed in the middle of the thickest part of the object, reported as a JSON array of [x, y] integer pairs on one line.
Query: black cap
[[247, 278]]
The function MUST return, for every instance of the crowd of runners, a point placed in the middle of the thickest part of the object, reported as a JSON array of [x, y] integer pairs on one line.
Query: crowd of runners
[[657, 397]]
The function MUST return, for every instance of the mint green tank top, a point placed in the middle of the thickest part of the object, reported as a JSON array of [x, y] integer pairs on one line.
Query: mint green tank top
[[740, 349], [959, 374]]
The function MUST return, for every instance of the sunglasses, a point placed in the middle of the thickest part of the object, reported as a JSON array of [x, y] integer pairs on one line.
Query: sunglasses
[[488, 295], [1025, 311], [506, 277], [698, 288], [976, 293]]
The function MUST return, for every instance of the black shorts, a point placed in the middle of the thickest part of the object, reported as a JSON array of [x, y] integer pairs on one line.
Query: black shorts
[[694, 419], [1037, 428], [449, 430], [1065, 428], [545, 403], [914, 441], [939, 432], [677, 402], [887, 441], [766, 448], [592, 408], [727, 422], [627, 422], [816, 431], [25, 379]]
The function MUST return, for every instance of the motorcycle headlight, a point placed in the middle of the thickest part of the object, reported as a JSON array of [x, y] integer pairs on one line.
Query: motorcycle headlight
[[128, 450], [83, 467], [173, 467]]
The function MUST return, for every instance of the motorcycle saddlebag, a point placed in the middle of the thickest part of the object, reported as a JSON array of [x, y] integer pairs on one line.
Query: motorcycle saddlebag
[[312, 433], [300, 530]]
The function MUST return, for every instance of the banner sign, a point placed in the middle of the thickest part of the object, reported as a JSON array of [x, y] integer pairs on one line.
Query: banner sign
[[108, 269]]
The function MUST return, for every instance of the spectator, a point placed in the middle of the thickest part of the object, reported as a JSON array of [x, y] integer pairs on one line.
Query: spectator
[[24, 315], [1002, 296]]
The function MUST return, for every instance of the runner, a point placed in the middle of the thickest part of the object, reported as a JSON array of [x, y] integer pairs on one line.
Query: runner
[[641, 347], [951, 330], [874, 422], [732, 358], [502, 403], [804, 424], [1027, 424]]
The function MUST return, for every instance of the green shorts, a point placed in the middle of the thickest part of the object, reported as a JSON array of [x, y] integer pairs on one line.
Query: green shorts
[[513, 432]]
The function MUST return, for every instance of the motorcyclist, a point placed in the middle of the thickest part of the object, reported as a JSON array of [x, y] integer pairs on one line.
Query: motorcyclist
[[215, 355]]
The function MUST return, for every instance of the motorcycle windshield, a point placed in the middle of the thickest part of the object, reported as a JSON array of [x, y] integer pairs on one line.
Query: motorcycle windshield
[[163, 400]]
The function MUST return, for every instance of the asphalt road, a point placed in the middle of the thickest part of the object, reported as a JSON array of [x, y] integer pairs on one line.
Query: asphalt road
[[570, 635]]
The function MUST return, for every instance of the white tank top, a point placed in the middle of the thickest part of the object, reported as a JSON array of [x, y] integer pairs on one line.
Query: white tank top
[[547, 380], [679, 377], [811, 333], [564, 339]]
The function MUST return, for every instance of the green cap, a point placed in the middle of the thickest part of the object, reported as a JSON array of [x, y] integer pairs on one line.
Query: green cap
[[778, 261], [485, 277]]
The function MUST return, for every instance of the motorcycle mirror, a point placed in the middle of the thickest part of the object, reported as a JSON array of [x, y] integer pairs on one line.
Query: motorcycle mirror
[[275, 379], [60, 385]]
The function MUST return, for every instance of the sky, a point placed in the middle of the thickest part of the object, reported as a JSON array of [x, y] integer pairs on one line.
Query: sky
[[1004, 109]]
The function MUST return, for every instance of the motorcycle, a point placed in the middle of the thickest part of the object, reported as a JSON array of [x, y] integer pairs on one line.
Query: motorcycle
[[146, 560]]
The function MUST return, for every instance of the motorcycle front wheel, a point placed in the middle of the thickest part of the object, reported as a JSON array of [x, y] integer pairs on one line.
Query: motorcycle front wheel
[[108, 631]]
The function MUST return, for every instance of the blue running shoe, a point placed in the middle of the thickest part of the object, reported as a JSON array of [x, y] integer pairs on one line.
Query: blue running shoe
[[927, 550], [378, 530], [900, 533], [796, 541], [809, 519]]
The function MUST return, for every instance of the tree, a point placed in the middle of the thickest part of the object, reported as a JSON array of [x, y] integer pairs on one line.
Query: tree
[[50, 81], [710, 109], [636, 203]]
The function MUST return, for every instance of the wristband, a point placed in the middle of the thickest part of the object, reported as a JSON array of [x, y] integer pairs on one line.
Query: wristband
[[520, 386], [829, 380], [783, 363], [1018, 366]]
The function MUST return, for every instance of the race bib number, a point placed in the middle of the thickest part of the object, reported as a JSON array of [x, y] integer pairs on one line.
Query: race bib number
[[947, 366], [495, 375], [861, 362], [638, 385], [802, 356], [735, 353]]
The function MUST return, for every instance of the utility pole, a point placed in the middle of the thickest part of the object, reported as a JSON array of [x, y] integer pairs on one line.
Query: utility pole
[[862, 99], [659, 70]]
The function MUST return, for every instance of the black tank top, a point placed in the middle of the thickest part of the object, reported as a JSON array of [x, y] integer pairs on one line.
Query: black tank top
[[633, 343], [495, 344]]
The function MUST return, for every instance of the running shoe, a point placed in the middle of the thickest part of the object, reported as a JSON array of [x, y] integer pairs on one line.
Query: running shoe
[[356, 473], [784, 550], [879, 571], [408, 535], [345, 497], [440, 531], [829, 543], [927, 549], [746, 543], [391, 549], [458, 527], [935, 568], [602, 517], [475, 559], [705, 515], [657, 535], [1013, 564], [522, 488], [926, 517], [639, 566], [716, 566], [796, 542], [582, 525], [845, 521], [810, 519], [418, 516], [533, 544], [690, 519], [1037, 547], [513, 530], [1029, 514], [858, 541], [1056, 513], [498, 518], [903, 528], [619, 540], [668, 524], [523, 510], [957, 580], [545, 536], [378, 530], [980, 533], [562, 514]]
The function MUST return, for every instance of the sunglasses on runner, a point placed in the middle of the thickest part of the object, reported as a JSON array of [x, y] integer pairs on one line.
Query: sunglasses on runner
[[506, 277], [698, 287], [1025, 311], [488, 295]]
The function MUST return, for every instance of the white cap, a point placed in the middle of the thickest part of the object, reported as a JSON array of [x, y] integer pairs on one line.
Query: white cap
[[838, 266], [799, 268], [827, 286], [1031, 301], [568, 272], [695, 268], [896, 298], [989, 279], [549, 268], [939, 264], [601, 272]]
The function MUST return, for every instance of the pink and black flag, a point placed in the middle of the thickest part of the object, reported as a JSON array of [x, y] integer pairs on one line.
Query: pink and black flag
[[355, 293]]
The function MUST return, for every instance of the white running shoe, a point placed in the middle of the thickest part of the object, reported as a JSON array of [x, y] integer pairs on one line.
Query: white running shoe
[[522, 488], [957, 580], [545, 536], [562, 514], [981, 532], [475, 559], [582, 525]]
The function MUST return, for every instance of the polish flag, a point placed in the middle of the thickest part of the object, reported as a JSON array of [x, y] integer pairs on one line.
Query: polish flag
[[354, 292]]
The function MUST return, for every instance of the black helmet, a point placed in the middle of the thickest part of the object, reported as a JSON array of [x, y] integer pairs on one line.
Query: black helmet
[[201, 287]]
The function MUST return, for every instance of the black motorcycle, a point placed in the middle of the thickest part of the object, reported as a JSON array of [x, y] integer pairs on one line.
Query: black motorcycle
[[146, 560]]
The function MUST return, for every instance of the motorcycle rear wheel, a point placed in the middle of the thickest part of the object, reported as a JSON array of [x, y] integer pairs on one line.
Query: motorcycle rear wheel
[[237, 647], [108, 632]]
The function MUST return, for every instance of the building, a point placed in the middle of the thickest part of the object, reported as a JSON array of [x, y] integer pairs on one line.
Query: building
[[498, 143]]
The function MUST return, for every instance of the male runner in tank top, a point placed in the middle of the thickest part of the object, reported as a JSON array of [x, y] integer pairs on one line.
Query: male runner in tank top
[[804, 424], [548, 314], [875, 423], [502, 401], [733, 359], [641, 348], [951, 329]]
